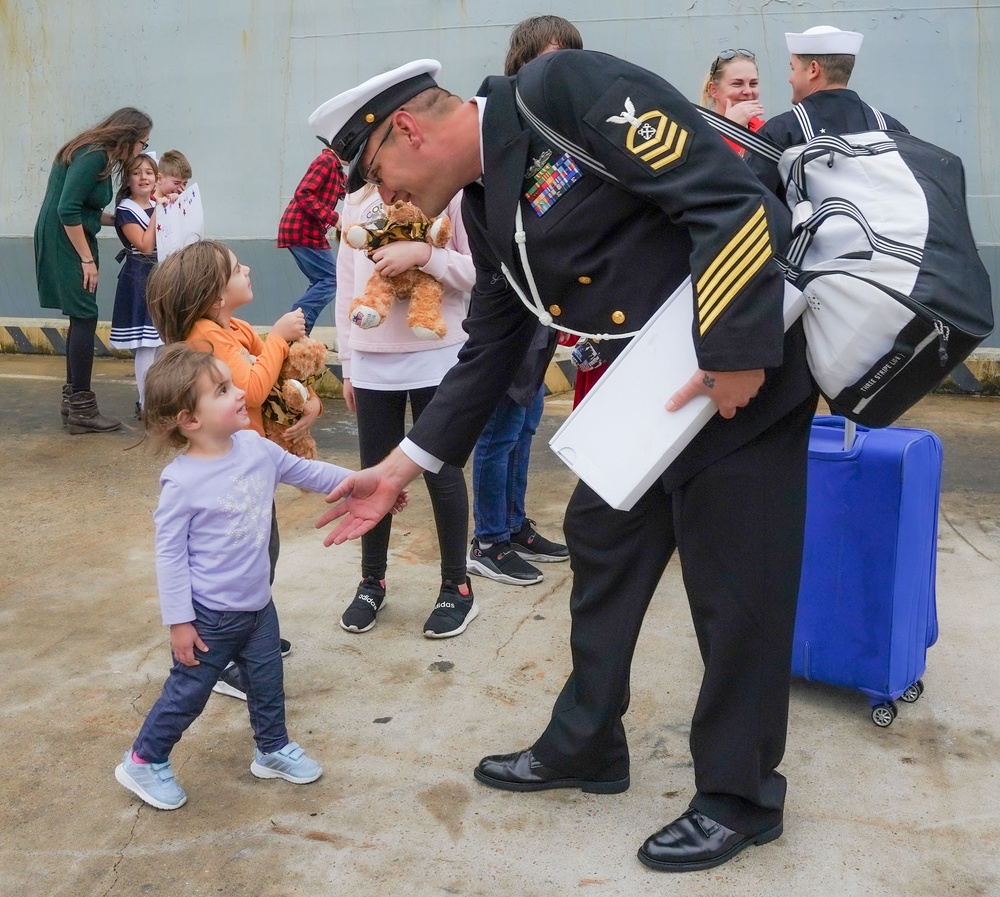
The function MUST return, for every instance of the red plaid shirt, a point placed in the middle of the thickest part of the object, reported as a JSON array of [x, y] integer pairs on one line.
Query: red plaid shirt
[[312, 210]]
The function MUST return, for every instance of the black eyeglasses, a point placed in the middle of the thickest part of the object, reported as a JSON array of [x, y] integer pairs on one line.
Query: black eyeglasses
[[368, 177], [726, 55], [145, 145]]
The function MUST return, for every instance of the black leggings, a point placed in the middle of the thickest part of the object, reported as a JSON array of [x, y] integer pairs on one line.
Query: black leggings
[[381, 426], [80, 353]]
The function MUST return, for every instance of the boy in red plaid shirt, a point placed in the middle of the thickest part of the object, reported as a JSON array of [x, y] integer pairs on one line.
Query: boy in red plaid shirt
[[303, 231]]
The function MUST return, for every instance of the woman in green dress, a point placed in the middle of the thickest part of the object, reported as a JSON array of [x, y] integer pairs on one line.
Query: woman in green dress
[[66, 263]]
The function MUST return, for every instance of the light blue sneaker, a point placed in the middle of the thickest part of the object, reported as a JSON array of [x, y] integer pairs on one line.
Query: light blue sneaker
[[153, 782], [290, 764]]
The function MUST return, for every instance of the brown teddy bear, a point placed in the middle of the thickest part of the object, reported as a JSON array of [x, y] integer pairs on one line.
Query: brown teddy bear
[[283, 406], [403, 221]]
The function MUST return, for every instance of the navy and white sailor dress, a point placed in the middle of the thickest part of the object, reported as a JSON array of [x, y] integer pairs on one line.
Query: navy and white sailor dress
[[131, 326]]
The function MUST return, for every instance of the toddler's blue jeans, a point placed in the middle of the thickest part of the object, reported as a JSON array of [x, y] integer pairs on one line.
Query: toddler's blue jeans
[[251, 639]]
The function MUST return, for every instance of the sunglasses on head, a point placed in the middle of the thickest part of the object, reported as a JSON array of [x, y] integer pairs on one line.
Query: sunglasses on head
[[726, 55]]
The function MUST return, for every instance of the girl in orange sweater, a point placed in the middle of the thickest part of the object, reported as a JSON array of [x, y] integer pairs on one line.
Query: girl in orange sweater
[[193, 296]]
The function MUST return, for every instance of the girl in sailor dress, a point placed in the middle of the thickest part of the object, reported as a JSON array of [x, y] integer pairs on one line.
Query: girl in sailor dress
[[135, 222]]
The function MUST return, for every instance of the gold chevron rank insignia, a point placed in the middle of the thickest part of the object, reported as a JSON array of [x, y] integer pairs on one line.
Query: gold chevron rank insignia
[[653, 139], [741, 258]]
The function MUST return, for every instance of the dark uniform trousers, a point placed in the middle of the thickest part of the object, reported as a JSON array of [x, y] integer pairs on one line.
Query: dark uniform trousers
[[741, 574]]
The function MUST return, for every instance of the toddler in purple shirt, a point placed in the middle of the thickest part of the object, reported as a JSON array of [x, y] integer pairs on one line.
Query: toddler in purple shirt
[[212, 569]]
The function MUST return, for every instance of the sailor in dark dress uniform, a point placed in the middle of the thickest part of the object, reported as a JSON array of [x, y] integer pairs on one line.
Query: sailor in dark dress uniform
[[618, 191], [821, 65]]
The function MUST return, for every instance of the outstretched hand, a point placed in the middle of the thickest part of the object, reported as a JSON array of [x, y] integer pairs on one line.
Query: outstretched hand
[[365, 497], [730, 390]]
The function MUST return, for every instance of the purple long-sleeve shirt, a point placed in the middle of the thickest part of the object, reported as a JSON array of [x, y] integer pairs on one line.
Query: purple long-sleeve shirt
[[213, 523]]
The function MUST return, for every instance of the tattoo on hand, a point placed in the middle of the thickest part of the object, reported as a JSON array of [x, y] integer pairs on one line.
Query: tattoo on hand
[[708, 381]]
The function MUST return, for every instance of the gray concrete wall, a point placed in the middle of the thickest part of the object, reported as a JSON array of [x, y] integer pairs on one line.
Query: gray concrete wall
[[232, 82]]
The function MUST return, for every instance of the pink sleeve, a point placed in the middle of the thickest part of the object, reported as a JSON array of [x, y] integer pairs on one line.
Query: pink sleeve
[[453, 265]]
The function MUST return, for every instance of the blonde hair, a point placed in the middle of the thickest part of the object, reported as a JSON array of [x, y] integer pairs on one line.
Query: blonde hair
[[174, 164], [172, 389], [717, 70], [183, 287]]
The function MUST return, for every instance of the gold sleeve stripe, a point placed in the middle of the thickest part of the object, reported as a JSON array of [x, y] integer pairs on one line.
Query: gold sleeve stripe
[[745, 254], [706, 321], [734, 243], [710, 290], [709, 310]]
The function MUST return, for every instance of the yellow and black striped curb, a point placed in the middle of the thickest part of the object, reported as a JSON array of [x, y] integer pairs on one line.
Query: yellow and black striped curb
[[980, 374], [48, 337]]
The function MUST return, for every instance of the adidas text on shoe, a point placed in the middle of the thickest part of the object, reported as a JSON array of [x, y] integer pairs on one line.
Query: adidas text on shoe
[[153, 782], [452, 613], [290, 764], [368, 601], [502, 563], [229, 683], [532, 546]]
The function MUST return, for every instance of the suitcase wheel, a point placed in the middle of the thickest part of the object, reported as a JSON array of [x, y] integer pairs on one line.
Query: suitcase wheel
[[884, 714], [913, 692]]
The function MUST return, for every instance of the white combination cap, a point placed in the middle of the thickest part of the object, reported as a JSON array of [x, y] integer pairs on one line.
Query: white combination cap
[[824, 40], [345, 122]]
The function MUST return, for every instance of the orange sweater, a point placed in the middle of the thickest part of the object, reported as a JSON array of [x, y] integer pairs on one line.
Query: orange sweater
[[255, 363]]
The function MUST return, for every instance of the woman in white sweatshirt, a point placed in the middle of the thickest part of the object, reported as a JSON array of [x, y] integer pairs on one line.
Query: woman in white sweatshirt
[[387, 365]]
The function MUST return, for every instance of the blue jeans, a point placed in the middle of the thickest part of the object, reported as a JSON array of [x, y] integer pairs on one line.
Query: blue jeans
[[320, 267], [251, 639], [500, 468]]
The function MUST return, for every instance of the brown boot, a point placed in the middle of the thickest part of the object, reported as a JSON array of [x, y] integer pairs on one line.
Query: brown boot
[[67, 391], [84, 416]]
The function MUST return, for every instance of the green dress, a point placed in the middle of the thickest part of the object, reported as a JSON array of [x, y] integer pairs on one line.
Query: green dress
[[77, 194]]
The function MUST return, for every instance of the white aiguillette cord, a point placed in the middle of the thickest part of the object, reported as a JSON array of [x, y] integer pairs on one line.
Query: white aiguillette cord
[[534, 304]]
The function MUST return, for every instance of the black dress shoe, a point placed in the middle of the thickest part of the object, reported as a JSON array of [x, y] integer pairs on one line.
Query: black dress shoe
[[696, 842], [522, 772]]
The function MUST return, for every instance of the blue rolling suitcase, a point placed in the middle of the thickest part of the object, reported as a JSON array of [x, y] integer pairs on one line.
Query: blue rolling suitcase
[[867, 610]]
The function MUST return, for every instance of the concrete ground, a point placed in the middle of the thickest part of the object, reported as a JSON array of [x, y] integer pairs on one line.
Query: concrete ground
[[399, 721]]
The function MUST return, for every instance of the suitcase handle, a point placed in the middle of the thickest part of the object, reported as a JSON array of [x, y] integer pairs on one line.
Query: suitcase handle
[[853, 436], [850, 434]]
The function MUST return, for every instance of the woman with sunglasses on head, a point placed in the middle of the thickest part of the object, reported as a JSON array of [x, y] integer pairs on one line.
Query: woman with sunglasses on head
[[732, 89], [66, 263]]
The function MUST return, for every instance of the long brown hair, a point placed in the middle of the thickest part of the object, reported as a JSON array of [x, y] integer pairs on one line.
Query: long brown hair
[[183, 287], [117, 135]]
